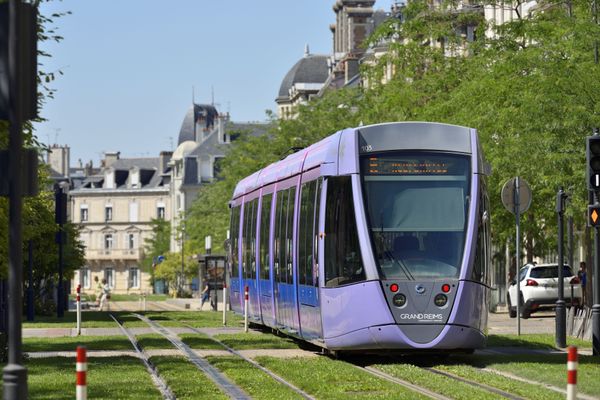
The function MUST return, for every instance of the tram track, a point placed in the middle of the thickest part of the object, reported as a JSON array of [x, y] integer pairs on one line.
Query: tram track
[[427, 392], [158, 381]]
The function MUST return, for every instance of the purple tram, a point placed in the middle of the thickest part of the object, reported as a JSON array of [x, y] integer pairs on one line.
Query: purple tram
[[375, 238]]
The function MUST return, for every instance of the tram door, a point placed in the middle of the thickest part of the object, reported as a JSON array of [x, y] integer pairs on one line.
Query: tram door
[[234, 277], [264, 275], [308, 265], [285, 296], [249, 257]]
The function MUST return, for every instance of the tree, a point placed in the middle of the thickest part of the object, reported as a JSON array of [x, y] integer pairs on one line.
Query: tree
[[156, 245]]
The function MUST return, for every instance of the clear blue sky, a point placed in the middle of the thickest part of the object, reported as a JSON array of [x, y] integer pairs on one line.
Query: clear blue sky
[[130, 65]]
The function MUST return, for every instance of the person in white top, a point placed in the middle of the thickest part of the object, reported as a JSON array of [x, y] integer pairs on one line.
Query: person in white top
[[105, 295]]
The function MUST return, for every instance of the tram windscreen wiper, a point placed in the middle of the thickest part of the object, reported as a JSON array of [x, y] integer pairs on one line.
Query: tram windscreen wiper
[[398, 262]]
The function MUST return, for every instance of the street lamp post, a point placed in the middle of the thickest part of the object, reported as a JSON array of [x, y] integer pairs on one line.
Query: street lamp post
[[182, 261]]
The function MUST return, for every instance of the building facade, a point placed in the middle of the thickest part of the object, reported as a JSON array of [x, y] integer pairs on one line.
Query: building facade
[[114, 209]]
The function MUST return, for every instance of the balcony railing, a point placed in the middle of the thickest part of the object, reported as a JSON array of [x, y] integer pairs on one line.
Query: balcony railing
[[114, 254]]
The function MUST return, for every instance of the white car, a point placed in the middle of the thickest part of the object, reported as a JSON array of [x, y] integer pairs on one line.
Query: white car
[[539, 288]]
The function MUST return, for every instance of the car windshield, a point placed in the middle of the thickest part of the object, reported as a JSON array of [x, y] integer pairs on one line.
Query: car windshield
[[417, 205], [550, 271]]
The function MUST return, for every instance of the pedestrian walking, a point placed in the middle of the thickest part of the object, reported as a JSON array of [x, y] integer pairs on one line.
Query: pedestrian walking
[[582, 275], [105, 296], [98, 290], [205, 295]]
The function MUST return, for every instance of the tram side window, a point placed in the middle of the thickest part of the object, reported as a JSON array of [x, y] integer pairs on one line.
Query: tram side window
[[249, 238], [253, 239], [343, 260], [482, 253], [235, 229], [307, 243], [280, 219], [289, 270], [265, 220]]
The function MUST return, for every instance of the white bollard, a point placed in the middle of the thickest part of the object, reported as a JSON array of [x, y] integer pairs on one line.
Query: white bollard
[[78, 303], [572, 373], [246, 309], [224, 304], [81, 370]]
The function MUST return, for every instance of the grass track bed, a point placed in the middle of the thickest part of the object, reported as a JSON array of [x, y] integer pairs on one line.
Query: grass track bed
[[253, 381], [199, 341], [185, 380], [521, 389], [436, 383], [154, 341], [550, 369], [107, 378], [68, 343], [331, 379], [245, 341]]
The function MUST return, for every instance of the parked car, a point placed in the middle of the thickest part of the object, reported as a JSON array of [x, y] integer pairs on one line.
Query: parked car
[[539, 289]]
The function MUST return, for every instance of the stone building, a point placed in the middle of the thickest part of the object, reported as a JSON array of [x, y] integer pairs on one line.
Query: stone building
[[204, 139], [114, 209]]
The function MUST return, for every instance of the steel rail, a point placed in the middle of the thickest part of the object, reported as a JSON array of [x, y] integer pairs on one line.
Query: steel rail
[[483, 386], [257, 365], [161, 385], [211, 372]]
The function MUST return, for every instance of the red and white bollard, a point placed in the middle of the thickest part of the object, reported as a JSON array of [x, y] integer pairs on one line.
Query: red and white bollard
[[81, 369], [224, 303], [246, 309], [572, 373], [78, 302]]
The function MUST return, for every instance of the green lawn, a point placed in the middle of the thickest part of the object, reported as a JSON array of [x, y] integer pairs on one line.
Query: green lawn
[[107, 378], [550, 369], [197, 319], [185, 380], [245, 341], [70, 343], [89, 319], [535, 341], [258, 384], [330, 379]]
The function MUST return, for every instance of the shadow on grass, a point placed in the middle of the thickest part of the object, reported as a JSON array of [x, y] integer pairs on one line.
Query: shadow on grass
[[71, 343]]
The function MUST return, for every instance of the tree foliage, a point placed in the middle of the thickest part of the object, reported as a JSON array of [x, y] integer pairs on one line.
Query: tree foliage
[[530, 89]]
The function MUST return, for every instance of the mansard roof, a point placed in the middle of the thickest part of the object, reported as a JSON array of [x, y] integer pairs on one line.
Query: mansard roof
[[204, 113], [312, 68]]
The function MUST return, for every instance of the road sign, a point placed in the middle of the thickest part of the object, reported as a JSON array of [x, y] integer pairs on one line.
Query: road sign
[[508, 195]]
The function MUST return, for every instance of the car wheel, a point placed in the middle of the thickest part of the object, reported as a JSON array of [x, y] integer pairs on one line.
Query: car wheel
[[512, 311], [525, 311]]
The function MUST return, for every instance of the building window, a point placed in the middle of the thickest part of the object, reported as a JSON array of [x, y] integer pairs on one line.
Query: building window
[[133, 212], [160, 212], [83, 214], [108, 241], [131, 240], [134, 278], [85, 278], [109, 275], [108, 215]]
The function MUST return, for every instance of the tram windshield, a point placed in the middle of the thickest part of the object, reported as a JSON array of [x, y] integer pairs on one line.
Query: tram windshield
[[417, 205]]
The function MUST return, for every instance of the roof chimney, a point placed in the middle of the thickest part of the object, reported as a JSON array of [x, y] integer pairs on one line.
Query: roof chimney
[[110, 157]]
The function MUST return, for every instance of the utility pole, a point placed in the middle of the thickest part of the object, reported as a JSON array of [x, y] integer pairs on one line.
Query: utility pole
[[15, 374], [561, 318]]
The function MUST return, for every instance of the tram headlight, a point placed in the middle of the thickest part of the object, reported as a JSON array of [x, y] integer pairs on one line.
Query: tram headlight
[[440, 300], [399, 300]]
